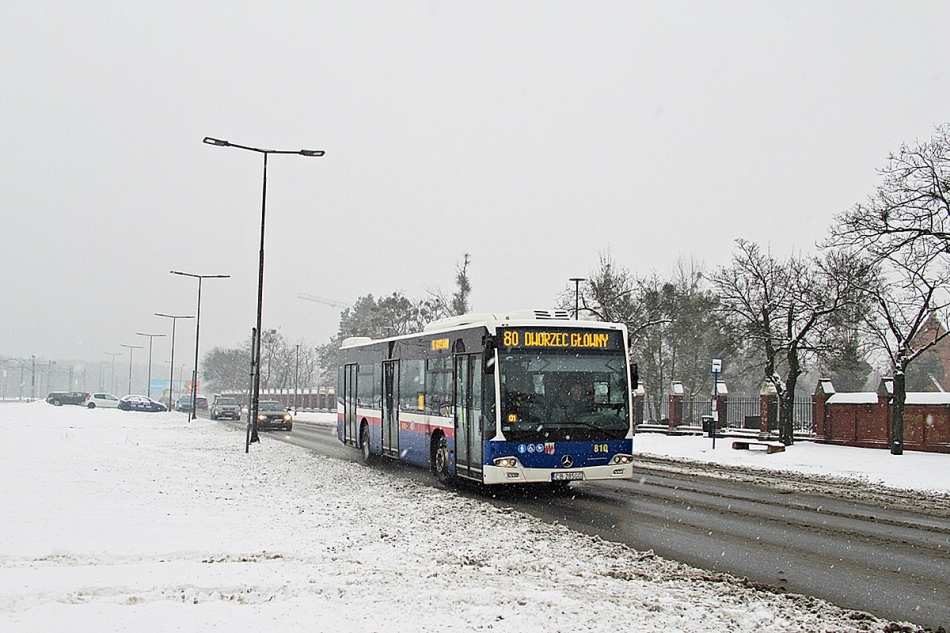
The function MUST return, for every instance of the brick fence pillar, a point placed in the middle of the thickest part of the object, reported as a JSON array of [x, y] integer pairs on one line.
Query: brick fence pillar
[[676, 404], [638, 396], [819, 411], [768, 408], [722, 405]]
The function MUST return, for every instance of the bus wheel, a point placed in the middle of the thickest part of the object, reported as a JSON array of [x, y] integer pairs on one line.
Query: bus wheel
[[440, 461], [365, 455]]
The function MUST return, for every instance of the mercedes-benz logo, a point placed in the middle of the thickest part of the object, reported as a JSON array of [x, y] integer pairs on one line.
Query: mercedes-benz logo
[[567, 461]]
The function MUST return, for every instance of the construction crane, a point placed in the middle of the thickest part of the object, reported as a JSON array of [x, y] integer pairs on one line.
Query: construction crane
[[329, 302]]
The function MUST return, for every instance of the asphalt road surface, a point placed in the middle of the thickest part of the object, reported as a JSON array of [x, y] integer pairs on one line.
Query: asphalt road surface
[[878, 557]]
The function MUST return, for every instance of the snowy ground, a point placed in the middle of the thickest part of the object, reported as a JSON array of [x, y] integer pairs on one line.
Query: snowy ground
[[119, 521]]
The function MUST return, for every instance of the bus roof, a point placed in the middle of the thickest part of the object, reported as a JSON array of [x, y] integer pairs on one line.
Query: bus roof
[[491, 321]]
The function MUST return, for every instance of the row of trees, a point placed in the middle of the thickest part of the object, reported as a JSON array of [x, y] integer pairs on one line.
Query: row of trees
[[283, 364], [877, 288]]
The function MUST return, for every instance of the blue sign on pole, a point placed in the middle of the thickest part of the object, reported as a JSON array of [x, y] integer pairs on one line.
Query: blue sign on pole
[[157, 386]]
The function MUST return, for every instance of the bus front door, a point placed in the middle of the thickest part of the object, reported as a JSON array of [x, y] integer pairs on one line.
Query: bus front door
[[391, 408], [468, 405]]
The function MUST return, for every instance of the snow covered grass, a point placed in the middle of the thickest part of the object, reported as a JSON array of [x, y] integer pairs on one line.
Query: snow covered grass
[[914, 470], [116, 521]]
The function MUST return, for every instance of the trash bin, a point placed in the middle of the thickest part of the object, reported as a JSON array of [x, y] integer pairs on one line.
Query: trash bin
[[708, 425]]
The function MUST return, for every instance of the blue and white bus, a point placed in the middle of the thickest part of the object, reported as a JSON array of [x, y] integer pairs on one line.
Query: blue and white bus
[[527, 397]]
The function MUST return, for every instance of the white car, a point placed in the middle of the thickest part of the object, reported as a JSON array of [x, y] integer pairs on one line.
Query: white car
[[104, 400]]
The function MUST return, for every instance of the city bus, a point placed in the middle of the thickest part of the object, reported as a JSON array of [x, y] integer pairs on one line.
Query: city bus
[[527, 397]]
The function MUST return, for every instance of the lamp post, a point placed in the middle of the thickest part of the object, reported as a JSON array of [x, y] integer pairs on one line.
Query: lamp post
[[171, 363], [113, 355], [296, 375], [194, 379], [150, 337], [256, 360], [130, 347], [577, 291]]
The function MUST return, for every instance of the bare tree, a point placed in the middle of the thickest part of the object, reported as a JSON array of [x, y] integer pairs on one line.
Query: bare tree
[[785, 307], [673, 326], [226, 368], [905, 229], [437, 306], [911, 204], [908, 292]]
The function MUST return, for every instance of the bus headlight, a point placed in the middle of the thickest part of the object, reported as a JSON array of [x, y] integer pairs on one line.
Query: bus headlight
[[506, 462], [622, 459]]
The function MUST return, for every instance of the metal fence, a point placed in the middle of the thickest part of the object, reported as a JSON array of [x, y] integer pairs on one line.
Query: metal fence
[[742, 412]]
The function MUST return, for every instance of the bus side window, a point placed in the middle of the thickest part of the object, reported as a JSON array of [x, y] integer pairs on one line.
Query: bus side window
[[411, 384], [366, 385], [440, 392]]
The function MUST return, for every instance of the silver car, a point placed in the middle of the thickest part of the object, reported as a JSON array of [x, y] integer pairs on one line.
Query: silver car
[[225, 407], [103, 400]]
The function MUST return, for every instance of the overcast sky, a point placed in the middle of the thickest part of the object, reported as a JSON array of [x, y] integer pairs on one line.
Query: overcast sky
[[534, 136]]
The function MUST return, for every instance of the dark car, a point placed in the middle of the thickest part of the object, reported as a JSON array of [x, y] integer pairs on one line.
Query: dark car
[[67, 397], [184, 403], [273, 415], [141, 403]]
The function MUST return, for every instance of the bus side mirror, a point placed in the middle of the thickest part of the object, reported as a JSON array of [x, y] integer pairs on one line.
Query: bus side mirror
[[488, 355], [634, 376]]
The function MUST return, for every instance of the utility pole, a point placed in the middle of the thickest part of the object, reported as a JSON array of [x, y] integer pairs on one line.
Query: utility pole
[[150, 337], [296, 374], [577, 291], [131, 348], [171, 378], [194, 382], [113, 355]]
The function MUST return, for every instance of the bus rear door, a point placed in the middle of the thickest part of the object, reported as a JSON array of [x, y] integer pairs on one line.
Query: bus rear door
[[391, 408], [349, 405]]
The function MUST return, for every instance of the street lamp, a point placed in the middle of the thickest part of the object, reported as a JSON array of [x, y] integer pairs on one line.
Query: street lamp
[[296, 374], [150, 337], [113, 355], [194, 380], [256, 359], [577, 288], [171, 363], [130, 347]]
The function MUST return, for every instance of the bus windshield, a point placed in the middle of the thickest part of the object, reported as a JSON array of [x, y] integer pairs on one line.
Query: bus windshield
[[549, 396]]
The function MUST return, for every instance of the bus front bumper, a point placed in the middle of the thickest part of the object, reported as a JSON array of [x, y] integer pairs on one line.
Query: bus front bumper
[[521, 475]]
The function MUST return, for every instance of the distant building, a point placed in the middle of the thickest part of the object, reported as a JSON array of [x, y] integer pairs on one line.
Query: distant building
[[931, 370]]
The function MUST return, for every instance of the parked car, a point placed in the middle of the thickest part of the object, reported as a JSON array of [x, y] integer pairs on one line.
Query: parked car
[[141, 403], [273, 415], [225, 407], [184, 404], [58, 398], [104, 400]]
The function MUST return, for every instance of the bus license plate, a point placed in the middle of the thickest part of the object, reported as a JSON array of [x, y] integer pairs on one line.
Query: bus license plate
[[573, 476]]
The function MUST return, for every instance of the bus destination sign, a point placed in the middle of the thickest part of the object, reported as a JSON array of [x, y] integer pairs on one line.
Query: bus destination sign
[[528, 338]]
